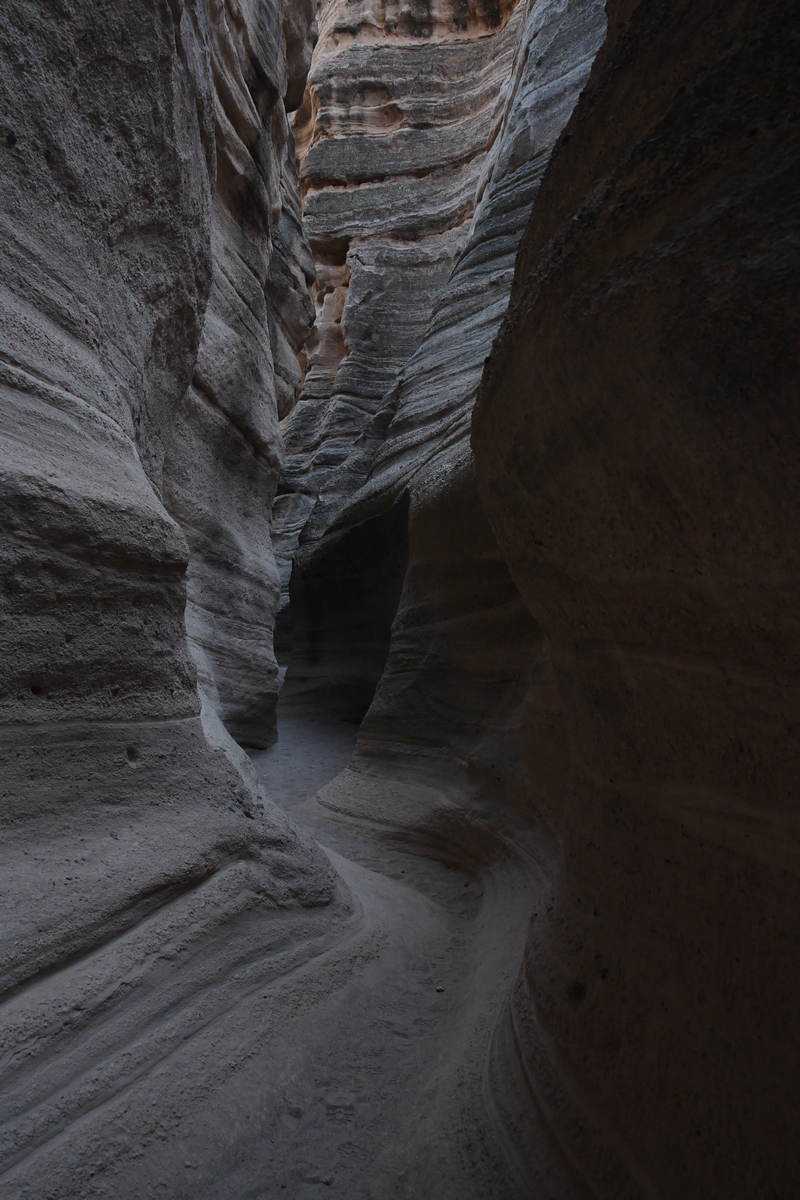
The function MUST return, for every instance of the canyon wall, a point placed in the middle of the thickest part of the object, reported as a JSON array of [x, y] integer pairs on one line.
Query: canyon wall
[[429, 615], [391, 155], [405, 613], [142, 166], [224, 454], [565, 620], [598, 677], [636, 439], [497, 105]]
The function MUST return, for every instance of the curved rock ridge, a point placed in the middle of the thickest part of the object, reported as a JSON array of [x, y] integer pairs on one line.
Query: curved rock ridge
[[142, 867], [391, 155], [224, 457], [635, 439]]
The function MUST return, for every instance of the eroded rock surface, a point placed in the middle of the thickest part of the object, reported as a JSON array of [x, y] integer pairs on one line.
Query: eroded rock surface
[[572, 653], [392, 137], [463, 752], [463, 665], [636, 442], [224, 454], [142, 866]]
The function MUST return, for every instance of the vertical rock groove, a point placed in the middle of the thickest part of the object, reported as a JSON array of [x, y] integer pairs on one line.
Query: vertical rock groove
[[224, 453]]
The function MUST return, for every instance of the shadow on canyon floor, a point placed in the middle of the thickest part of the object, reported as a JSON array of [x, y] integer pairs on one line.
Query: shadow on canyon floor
[[379, 1090]]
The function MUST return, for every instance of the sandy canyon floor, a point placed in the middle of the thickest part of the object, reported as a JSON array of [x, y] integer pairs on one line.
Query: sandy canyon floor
[[376, 1078]]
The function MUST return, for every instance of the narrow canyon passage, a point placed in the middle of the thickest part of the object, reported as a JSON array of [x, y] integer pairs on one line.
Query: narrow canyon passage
[[377, 1092], [446, 349]]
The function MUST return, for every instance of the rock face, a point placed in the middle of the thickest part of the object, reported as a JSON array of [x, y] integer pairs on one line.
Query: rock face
[[391, 156], [462, 652], [636, 443], [463, 751], [141, 864], [536, 525], [224, 454]]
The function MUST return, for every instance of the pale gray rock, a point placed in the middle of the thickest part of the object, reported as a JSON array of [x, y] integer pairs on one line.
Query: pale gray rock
[[224, 455], [142, 868], [392, 139], [435, 391]]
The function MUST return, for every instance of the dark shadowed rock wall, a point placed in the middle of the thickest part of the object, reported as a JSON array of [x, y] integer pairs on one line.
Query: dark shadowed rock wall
[[636, 442]]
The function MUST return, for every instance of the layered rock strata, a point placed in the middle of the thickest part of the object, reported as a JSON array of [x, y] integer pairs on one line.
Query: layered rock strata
[[636, 441], [224, 455], [391, 155], [462, 652], [291, 314], [142, 867], [463, 752]]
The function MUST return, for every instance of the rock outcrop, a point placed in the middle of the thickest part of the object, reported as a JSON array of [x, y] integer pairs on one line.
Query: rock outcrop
[[456, 654], [142, 867], [636, 439], [224, 454], [391, 155]]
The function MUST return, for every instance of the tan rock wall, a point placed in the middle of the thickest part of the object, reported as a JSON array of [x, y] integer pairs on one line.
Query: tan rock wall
[[456, 587], [391, 153]]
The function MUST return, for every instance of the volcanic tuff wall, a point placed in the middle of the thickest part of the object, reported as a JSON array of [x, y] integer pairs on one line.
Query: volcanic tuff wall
[[577, 651], [391, 155], [224, 454], [142, 168], [445, 149], [404, 610]]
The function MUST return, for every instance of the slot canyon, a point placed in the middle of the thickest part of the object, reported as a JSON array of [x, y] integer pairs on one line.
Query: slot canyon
[[399, 692]]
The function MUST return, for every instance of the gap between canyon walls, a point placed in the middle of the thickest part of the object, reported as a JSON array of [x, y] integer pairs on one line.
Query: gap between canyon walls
[[574, 666], [419, 164], [510, 907]]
